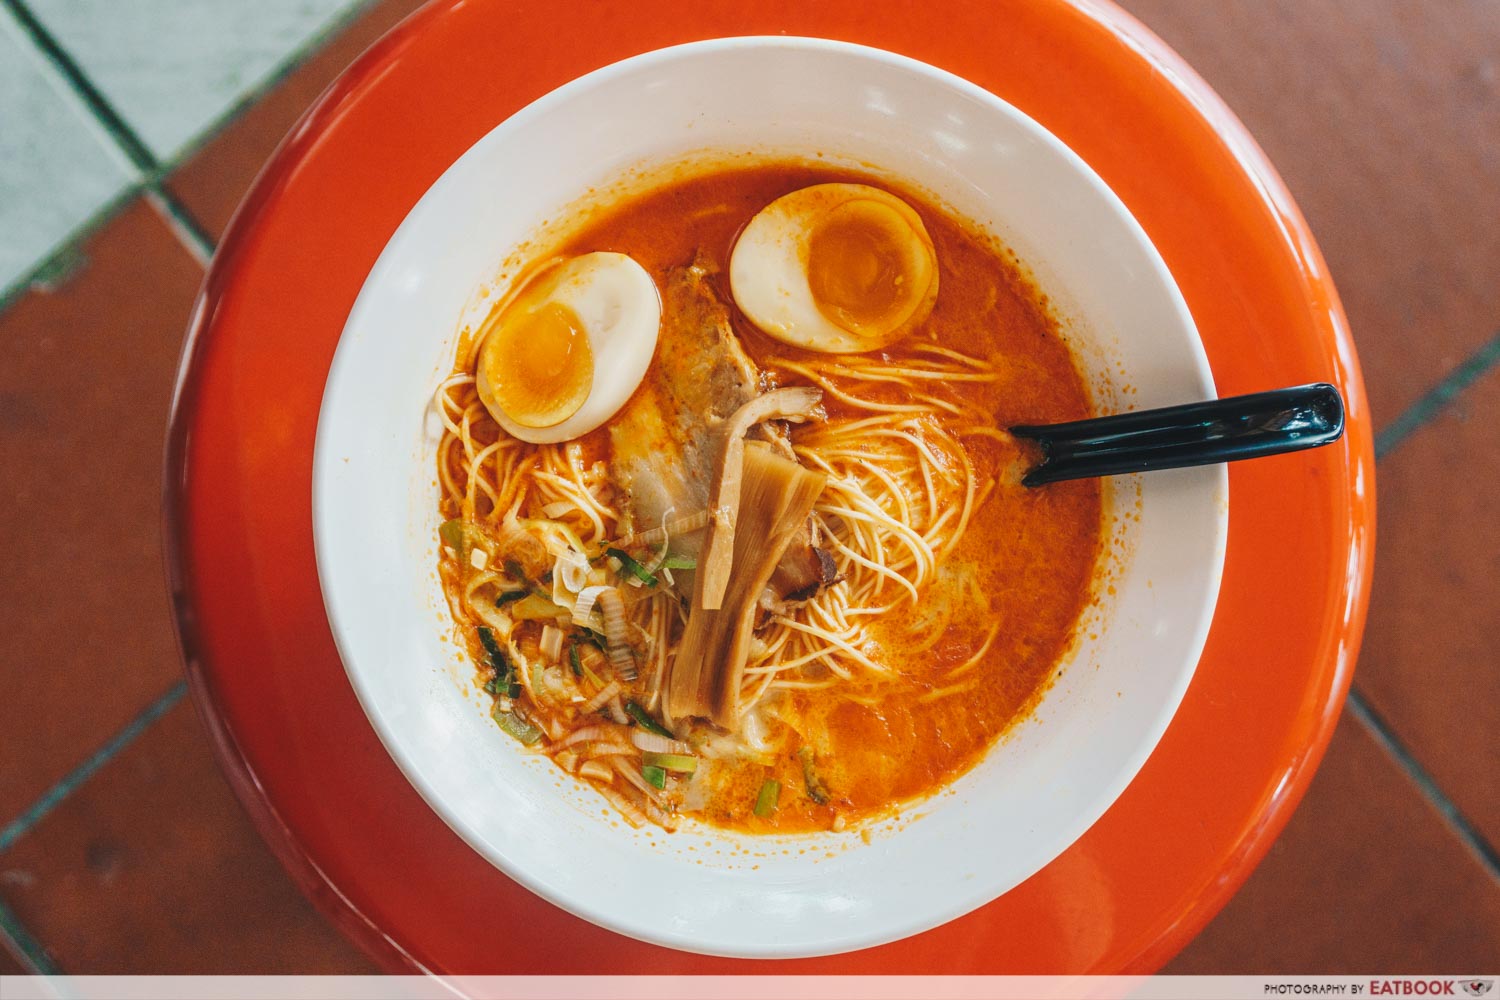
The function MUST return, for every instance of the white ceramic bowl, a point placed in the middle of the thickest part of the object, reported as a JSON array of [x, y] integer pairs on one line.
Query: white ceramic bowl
[[375, 517]]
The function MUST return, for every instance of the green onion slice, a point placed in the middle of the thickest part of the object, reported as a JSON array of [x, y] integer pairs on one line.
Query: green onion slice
[[644, 720], [535, 607], [516, 726], [504, 681], [770, 794], [631, 566], [592, 678], [503, 684], [491, 647], [452, 534], [655, 776], [681, 763], [816, 790]]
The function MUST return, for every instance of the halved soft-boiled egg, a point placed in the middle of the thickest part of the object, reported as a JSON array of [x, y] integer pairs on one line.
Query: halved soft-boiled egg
[[562, 356], [837, 268]]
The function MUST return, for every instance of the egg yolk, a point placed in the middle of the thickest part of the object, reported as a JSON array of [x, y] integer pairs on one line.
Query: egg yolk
[[539, 365], [867, 269]]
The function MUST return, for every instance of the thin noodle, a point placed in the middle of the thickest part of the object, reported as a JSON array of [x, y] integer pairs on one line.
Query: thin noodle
[[901, 491]]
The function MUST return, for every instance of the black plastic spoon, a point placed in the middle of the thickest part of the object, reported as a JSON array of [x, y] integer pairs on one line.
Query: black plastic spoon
[[1174, 437]]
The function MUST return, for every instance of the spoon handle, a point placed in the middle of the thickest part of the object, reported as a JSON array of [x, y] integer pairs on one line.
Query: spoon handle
[[1219, 430]]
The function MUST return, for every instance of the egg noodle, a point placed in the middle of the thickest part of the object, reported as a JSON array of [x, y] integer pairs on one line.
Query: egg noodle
[[901, 489], [778, 573]]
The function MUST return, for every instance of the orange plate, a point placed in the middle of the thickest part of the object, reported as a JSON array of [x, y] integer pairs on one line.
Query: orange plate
[[291, 735]]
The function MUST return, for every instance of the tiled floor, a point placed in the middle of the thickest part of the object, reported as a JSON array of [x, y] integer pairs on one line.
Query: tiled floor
[[122, 849]]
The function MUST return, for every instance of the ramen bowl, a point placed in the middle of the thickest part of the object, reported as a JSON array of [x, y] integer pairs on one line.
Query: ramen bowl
[[376, 515]]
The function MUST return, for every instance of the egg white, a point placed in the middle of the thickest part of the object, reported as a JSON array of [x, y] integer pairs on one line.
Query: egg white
[[768, 270], [619, 309]]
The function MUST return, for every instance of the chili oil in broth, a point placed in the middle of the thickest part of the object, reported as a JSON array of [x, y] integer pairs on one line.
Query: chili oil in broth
[[1025, 570]]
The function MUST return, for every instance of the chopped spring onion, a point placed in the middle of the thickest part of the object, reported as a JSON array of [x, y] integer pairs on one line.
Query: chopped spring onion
[[516, 726], [644, 720], [462, 537], [515, 570], [598, 770], [551, 644], [572, 570], [468, 540], [508, 597], [658, 744], [590, 658], [588, 734], [601, 699], [679, 562], [544, 527], [770, 794], [816, 790], [631, 566], [612, 612], [487, 640], [658, 536], [584, 606], [573, 660], [655, 776], [680, 763], [616, 710], [504, 682], [591, 677], [535, 607]]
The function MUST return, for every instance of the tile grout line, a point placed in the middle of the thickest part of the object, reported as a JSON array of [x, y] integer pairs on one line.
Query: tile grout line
[[196, 240], [303, 52], [1413, 418], [182, 224], [177, 216], [29, 949], [56, 264], [52, 797], [32, 951], [1438, 397], [1482, 849], [188, 232], [62, 259], [174, 213], [93, 99]]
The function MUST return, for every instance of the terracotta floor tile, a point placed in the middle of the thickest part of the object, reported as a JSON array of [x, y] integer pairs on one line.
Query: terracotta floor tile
[[1431, 661], [1367, 878], [1383, 116], [152, 867], [85, 380], [214, 179]]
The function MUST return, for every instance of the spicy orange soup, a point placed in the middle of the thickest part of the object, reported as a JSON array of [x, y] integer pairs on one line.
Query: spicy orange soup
[[868, 693]]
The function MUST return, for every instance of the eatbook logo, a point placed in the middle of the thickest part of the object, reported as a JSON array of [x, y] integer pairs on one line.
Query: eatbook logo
[[1478, 987]]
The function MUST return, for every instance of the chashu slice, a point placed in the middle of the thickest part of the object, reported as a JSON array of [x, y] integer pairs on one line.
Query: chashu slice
[[663, 448]]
